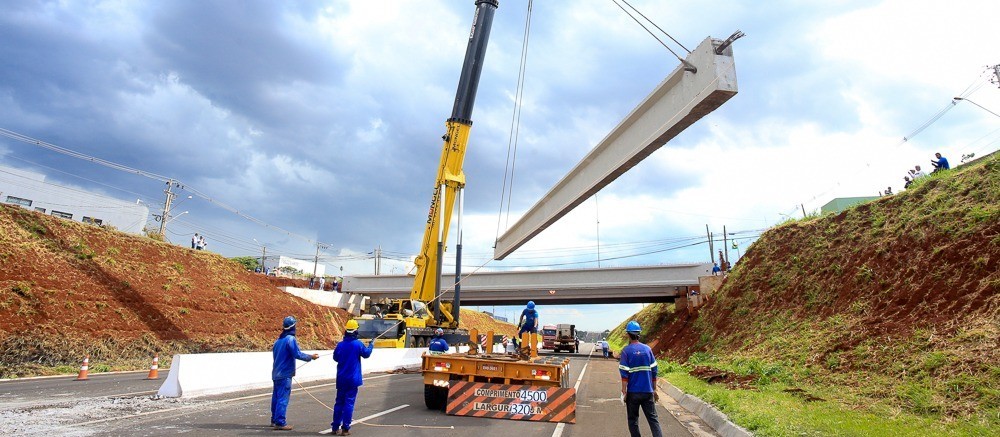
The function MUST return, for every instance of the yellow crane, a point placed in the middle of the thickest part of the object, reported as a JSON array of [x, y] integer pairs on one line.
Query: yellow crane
[[411, 322]]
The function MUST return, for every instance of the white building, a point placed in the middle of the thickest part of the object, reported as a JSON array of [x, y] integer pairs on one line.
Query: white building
[[29, 190], [277, 262]]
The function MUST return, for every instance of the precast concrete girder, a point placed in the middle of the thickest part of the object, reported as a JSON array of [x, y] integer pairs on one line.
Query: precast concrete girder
[[644, 284], [683, 98]]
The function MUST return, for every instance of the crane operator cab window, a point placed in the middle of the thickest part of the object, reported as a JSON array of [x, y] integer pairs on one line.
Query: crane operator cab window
[[419, 309], [382, 328]]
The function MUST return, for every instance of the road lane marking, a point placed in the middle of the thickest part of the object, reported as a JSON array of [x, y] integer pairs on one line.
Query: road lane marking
[[206, 404], [330, 430], [559, 428]]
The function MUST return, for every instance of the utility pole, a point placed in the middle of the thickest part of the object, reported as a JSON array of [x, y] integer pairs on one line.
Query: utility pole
[[263, 256], [166, 207], [711, 249], [316, 260], [803, 209], [725, 242]]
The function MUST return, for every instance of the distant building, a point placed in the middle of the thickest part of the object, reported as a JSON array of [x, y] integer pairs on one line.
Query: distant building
[[31, 191], [277, 262], [841, 203]]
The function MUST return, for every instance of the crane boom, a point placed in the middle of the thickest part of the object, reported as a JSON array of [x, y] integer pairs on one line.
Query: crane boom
[[450, 177]]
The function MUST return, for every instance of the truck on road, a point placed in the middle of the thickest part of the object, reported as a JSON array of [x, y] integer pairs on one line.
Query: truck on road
[[565, 339], [548, 336]]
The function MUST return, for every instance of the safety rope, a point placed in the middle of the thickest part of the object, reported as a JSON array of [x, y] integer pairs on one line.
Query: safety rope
[[462, 279]]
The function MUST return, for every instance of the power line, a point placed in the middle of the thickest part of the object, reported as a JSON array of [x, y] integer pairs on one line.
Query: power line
[[36, 142]]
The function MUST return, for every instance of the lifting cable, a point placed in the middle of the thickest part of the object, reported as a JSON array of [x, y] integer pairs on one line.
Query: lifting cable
[[515, 128], [687, 65]]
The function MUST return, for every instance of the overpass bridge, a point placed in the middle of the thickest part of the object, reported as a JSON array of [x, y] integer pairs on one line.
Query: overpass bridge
[[644, 284]]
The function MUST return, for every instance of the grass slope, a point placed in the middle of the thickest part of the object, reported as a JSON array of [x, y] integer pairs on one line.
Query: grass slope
[[888, 312]]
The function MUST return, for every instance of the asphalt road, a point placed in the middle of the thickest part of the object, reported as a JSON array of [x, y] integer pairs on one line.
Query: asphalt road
[[388, 405], [34, 392]]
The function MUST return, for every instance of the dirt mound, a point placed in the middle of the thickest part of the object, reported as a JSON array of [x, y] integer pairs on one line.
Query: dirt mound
[[69, 289], [733, 381], [898, 298], [484, 323]]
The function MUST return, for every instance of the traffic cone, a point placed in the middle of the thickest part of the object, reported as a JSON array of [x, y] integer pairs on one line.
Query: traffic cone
[[154, 370], [83, 369]]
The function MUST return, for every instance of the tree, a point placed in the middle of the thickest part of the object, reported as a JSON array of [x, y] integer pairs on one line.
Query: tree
[[249, 262]]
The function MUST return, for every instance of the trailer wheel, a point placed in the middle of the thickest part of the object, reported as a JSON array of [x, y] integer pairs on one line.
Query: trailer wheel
[[435, 397]]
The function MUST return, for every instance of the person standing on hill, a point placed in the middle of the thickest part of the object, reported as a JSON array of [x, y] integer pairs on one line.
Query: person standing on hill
[[638, 371], [940, 164], [348, 355], [285, 352]]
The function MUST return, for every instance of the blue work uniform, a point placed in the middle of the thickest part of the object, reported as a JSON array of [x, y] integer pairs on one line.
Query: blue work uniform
[[530, 317], [942, 163], [348, 355], [638, 367], [439, 345], [285, 352]]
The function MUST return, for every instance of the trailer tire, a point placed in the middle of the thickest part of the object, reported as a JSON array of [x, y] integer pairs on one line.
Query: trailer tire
[[435, 397]]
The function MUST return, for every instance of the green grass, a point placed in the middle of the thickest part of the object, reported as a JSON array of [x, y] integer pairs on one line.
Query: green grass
[[770, 411]]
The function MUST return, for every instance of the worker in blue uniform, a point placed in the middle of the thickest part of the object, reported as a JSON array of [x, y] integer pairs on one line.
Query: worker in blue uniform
[[638, 371], [348, 355], [438, 344], [285, 352], [528, 321]]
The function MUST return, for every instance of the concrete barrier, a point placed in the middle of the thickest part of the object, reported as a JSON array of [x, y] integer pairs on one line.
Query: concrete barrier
[[193, 375], [353, 303]]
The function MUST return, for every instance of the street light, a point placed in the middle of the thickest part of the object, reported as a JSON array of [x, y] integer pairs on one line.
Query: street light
[[956, 99], [174, 217]]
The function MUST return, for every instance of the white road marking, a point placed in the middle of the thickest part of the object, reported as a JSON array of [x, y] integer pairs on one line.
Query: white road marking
[[330, 430], [559, 428], [201, 405]]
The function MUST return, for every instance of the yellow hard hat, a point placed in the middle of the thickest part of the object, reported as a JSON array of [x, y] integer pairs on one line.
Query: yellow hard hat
[[352, 325]]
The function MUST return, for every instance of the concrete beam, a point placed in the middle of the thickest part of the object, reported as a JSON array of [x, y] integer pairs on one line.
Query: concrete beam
[[643, 284], [680, 100]]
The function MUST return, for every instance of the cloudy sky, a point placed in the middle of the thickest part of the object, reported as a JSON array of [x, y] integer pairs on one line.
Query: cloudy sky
[[323, 119]]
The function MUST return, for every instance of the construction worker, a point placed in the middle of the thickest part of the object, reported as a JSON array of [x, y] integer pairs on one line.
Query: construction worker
[[638, 372], [528, 321], [438, 344], [285, 352], [348, 355]]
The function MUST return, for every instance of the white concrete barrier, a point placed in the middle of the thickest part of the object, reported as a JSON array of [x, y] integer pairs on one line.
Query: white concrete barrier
[[193, 375]]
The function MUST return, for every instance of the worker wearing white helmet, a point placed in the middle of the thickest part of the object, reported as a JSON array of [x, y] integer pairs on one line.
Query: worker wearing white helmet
[[438, 344]]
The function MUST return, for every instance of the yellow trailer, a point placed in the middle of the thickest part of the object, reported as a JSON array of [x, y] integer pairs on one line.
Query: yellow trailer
[[440, 371]]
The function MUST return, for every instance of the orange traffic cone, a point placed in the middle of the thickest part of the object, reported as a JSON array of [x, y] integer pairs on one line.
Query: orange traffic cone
[[154, 372], [83, 369]]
